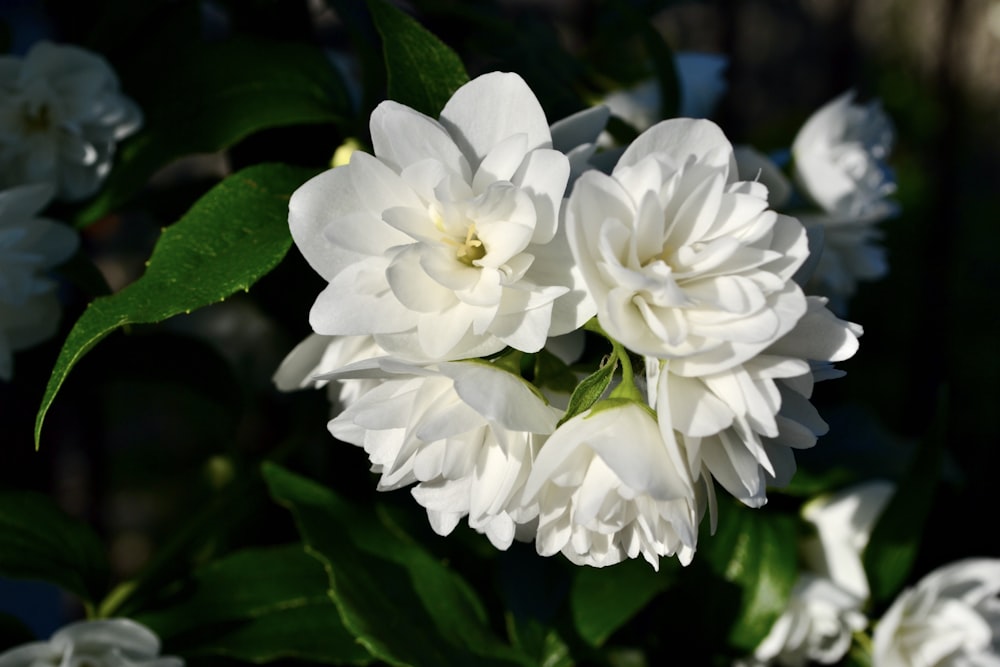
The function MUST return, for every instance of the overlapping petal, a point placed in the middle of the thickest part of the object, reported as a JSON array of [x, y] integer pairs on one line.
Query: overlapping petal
[[466, 433], [115, 642], [610, 488], [684, 261], [431, 245], [951, 618]]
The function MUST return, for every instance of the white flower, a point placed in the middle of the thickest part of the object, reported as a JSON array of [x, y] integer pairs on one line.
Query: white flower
[[446, 244], [61, 115], [844, 522], [465, 432], [840, 163], [825, 606], [684, 261], [318, 355], [117, 642], [839, 158], [816, 626], [610, 488], [951, 618], [29, 247], [741, 425]]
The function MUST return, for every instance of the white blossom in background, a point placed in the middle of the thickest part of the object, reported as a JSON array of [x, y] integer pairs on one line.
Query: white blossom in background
[[61, 117], [826, 605], [844, 523], [839, 162], [610, 488], [951, 618], [446, 243], [464, 432], [816, 626], [116, 642], [29, 247]]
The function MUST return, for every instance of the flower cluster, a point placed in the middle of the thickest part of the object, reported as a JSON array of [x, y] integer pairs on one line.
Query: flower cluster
[[466, 244], [116, 642]]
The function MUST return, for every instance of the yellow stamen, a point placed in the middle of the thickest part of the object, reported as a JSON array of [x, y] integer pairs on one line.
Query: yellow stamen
[[471, 249]]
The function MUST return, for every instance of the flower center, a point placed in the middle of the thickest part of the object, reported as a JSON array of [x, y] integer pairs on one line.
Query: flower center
[[471, 249]]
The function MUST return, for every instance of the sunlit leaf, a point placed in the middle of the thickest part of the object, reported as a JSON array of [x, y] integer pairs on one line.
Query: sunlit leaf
[[753, 553], [229, 239], [590, 389]]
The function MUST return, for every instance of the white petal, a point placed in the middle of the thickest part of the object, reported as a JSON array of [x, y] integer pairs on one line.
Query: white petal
[[543, 176], [402, 136], [491, 108], [681, 138]]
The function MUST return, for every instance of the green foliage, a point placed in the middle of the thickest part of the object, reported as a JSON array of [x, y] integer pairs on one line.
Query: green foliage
[[753, 559], [229, 239], [548, 370], [257, 605], [895, 539], [422, 71], [402, 604], [215, 95], [590, 390], [603, 600], [38, 541], [541, 643]]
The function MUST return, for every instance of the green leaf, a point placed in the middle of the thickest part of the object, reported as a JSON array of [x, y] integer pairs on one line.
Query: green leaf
[[603, 600], [550, 371], [212, 96], [403, 605], [542, 643], [423, 72], [590, 390], [895, 539], [754, 552], [256, 605], [229, 239], [38, 541]]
